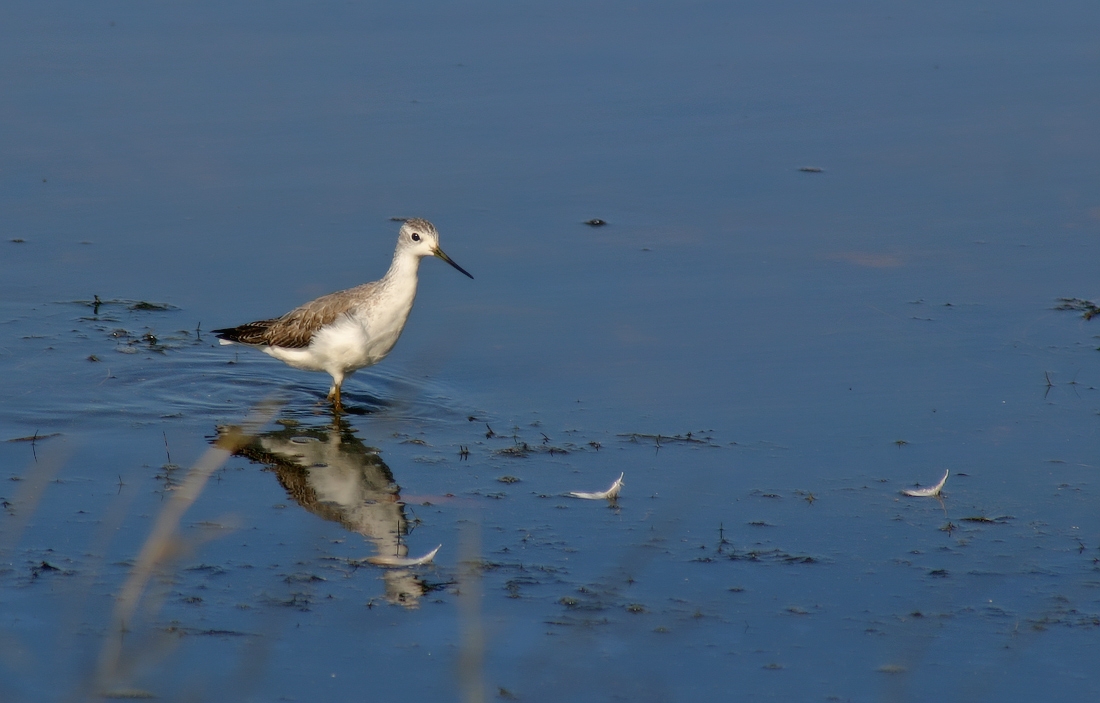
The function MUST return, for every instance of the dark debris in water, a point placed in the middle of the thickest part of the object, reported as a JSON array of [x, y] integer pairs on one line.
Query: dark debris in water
[[1066, 618], [194, 631], [659, 439], [524, 449], [43, 568], [587, 600], [981, 518], [513, 586], [145, 305], [765, 494], [495, 495], [1087, 308], [133, 342], [212, 569], [520, 448], [772, 556], [132, 305], [298, 601], [34, 437], [578, 622]]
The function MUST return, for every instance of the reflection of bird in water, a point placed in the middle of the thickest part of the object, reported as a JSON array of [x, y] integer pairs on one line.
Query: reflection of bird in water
[[351, 329], [333, 475]]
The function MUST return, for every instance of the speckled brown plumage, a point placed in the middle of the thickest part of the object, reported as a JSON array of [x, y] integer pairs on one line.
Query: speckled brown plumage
[[295, 329]]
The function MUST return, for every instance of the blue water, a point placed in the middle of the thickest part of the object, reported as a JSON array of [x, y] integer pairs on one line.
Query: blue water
[[828, 338]]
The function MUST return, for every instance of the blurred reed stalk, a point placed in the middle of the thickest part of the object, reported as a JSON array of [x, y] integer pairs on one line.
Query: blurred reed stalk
[[35, 481], [471, 652], [164, 543]]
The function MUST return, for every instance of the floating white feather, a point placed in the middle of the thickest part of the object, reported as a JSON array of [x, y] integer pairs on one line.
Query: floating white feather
[[402, 561], [610, 494], [928, 492]]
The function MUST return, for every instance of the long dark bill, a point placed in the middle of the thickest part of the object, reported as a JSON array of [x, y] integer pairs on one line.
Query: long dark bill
[[439, 253]]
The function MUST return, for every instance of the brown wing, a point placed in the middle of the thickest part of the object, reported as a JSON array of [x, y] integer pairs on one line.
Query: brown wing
[[295, 329]]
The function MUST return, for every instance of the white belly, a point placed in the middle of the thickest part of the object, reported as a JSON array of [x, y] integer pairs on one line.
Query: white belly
[[348, 344]]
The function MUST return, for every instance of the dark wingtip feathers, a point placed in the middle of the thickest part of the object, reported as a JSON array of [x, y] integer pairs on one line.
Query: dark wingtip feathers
[[281, 332], [251, 333]]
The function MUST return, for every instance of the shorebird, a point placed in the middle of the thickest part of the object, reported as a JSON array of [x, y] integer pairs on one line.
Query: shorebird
[[343, 332]]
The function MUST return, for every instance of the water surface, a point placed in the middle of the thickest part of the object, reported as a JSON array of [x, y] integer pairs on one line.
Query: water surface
[[769, 354]]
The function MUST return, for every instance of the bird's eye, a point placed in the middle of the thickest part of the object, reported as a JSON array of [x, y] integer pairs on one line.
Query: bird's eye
[[416, 237]]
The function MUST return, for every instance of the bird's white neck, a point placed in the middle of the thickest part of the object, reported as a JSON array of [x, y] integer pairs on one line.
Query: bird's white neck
[[397, 289], [403, 270]]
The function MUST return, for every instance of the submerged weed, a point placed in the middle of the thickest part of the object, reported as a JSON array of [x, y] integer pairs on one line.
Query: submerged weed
[[1087, 308]]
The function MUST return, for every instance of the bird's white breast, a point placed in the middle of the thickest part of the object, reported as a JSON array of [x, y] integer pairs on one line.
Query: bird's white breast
[[361, 337]]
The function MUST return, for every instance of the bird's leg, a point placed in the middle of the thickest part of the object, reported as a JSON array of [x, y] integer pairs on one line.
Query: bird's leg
[[334, 396]]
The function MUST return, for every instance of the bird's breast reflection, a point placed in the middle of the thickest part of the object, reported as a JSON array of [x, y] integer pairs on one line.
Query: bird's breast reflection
[[332, 474]]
